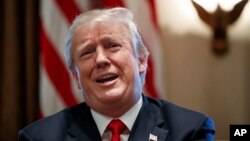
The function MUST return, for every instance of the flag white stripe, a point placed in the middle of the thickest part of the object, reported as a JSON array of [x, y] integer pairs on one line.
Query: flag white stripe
[[49, 99], [55, 25], [82, 4]]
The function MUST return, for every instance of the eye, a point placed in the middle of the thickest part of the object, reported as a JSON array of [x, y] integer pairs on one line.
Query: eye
[[114, 47], [87, 53]]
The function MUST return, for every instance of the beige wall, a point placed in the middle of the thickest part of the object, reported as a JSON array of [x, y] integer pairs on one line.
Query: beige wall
[[195, 77]]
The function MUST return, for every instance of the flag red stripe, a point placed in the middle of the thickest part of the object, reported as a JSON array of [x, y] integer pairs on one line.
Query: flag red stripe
[[153, 14], [40, 114], [69, 9], [113, 3], [150, 85], [55, 69]]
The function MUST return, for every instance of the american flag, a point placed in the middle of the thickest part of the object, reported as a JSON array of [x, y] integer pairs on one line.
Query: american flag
[[57, 89]]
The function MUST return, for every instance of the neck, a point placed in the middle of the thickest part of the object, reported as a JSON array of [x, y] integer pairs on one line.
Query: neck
[[116, 110]]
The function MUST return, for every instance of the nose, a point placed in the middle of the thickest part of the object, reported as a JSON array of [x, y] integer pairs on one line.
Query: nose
[[102, 60]]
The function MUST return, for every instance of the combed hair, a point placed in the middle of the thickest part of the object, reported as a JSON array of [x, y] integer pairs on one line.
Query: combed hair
[[117, 14]]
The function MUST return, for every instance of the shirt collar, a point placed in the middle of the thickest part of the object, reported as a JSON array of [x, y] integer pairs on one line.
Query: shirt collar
[[128, 118]]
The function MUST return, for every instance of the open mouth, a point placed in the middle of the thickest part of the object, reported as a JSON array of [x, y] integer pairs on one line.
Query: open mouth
[[106, 78]]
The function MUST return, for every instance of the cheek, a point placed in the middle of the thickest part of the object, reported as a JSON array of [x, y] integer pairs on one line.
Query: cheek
[[85, 69], [127, 64]]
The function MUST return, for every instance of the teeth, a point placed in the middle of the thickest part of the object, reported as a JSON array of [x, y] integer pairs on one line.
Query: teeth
[[106, 76]]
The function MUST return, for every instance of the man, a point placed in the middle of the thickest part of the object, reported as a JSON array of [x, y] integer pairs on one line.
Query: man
[[108, 61]]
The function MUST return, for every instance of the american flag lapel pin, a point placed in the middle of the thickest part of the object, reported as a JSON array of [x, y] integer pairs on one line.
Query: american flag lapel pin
[[152, 137]]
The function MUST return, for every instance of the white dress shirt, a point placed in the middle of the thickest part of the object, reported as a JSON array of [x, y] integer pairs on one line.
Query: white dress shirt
[[128, 119]]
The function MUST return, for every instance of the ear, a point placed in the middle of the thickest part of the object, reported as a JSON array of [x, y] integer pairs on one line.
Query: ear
[[142, 64], [76, 78]]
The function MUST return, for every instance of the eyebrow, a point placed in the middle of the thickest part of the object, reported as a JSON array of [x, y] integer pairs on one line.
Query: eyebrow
[[87, 42], [113, 38]]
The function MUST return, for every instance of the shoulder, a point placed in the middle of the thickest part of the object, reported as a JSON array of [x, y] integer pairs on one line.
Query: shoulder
[[171, 110], [52, 126], [59, 119], [183, 121]]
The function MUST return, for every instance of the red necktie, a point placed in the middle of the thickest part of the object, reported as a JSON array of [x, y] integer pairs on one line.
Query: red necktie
[[116, 127]]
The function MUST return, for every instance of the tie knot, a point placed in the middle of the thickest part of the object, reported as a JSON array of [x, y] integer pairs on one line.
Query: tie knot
[[116, 127]]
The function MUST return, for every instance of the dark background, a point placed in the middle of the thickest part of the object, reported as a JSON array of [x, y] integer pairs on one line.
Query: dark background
[[18, 65]]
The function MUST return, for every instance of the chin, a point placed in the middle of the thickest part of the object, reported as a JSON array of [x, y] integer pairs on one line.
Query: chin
[[113, 95]]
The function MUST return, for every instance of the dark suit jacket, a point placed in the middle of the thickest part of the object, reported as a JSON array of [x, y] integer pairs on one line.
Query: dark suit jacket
[[165, 120]]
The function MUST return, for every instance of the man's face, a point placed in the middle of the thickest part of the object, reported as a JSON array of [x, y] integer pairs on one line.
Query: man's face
[[105, 67]]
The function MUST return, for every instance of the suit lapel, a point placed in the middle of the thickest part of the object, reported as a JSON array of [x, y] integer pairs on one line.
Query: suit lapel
[[149, 121], [83, 127]]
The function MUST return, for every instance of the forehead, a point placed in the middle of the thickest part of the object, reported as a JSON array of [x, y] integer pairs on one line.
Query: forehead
[[102, 29]]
